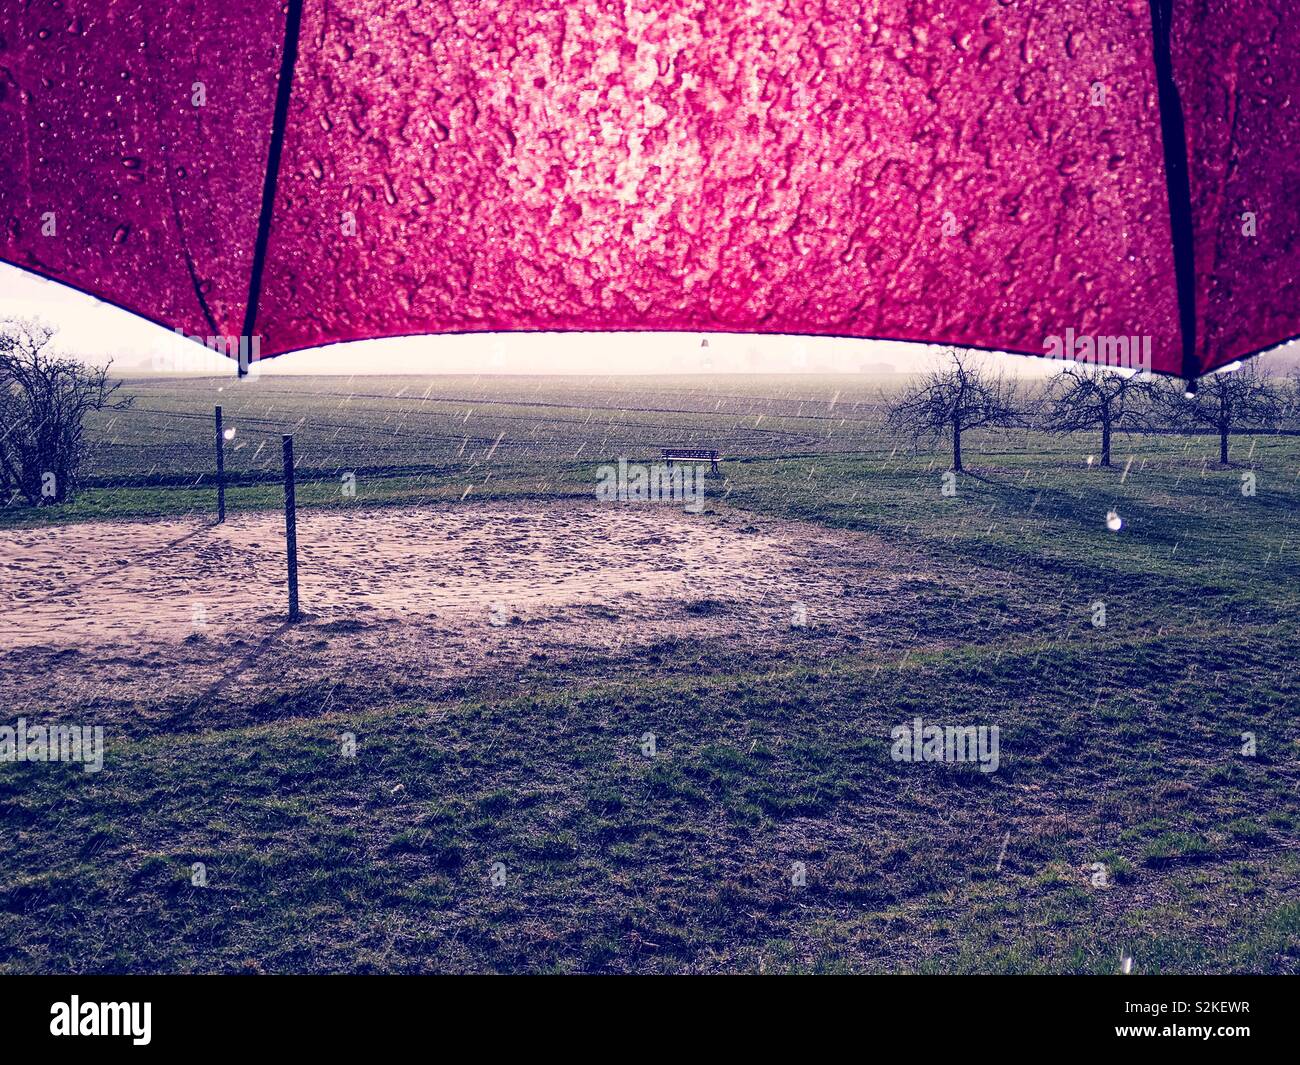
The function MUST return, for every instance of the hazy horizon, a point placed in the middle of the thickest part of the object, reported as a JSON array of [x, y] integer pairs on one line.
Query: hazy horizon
[[100, 333]]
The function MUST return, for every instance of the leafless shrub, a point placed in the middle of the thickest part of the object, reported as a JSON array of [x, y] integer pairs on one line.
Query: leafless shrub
[[44, 400]]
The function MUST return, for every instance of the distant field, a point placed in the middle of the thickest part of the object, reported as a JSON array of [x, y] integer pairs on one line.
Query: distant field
[[437, 437], [408, 437], [522, 744], [421, 422]]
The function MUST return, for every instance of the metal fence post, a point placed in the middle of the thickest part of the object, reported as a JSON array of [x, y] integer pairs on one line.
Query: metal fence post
[[221, 470], [290, 528]]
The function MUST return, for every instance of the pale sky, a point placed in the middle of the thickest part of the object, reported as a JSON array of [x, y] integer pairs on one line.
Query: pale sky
[[96, 332]]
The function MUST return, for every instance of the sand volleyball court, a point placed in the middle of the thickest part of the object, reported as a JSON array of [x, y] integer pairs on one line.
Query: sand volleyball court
[[159, 610], [119, 583]]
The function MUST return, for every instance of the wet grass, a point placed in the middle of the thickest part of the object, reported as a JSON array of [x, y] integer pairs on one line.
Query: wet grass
[[703, 812]]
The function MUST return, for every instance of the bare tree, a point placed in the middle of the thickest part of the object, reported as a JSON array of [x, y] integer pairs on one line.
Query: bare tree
[[952, 400], [1227, 403], [44, 400], [1083, 398], [1291, 404]]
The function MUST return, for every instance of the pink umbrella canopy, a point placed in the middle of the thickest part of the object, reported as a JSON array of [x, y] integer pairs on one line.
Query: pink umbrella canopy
[[996, 174]]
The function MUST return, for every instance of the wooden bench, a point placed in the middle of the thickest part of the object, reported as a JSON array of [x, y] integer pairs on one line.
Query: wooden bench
[[691, 454]]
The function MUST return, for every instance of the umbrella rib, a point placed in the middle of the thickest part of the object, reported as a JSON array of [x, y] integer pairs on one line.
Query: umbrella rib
[[1173, 135], [284, 89]]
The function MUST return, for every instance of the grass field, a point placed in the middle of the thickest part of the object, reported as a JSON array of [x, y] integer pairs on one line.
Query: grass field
[[1124, 820]]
